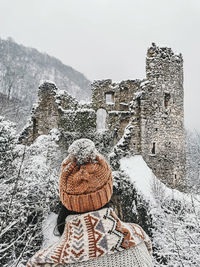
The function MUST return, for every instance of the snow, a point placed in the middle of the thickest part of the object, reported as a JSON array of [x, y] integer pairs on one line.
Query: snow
[[84, 102], [7, 125], [37, 193], [55, 134], [42, 81], [50, 235], [144, 83], [83, 150], [120, 112], [175, 216], [123, 140], [139, 173], [146, 182], [175, 231], [114, 86], [123, 103], [101, 119], [71, 111], [61, 92], [138, 94]]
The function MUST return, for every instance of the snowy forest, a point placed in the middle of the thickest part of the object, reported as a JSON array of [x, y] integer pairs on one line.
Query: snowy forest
[[29, 173]]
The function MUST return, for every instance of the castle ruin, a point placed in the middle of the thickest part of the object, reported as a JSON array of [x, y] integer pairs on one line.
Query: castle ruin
[[144, 117]]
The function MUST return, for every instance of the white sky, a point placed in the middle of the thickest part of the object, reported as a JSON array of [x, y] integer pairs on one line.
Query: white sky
[[109, 38]]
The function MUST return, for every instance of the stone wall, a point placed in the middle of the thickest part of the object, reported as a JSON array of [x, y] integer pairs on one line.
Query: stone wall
[[115, 99], [154, 109], [74, 120], [57, 109], [44, 116], [162, 116]]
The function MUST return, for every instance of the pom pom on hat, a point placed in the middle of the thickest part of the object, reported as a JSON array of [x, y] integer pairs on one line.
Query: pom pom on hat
[[82, 151]]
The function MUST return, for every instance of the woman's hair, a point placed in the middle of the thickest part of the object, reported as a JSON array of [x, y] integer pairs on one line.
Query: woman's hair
[[64, 212], [62, 215]]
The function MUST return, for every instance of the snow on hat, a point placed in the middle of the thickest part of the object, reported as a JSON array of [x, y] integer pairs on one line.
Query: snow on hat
[[86, 178]]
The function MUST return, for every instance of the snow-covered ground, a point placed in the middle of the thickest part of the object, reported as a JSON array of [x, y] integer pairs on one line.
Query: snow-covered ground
[[175, 216], [50, 234], [140, 174], [146, 182]]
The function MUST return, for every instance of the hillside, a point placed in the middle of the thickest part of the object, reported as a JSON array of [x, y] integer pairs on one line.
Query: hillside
[[22, 69], [30, 201]]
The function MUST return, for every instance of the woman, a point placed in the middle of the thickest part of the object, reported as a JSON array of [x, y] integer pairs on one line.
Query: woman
[[93, 234]]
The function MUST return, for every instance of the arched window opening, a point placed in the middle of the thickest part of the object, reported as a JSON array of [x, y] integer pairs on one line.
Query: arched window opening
[[153, 151], [139, 101], [34, 125], [101, 119], [167, 99], [175, 180]]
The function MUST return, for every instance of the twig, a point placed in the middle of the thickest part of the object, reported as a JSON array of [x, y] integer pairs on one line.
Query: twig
[[14, 189]]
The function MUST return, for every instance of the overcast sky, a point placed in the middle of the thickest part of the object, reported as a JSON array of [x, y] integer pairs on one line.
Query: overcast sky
[[109, 38]]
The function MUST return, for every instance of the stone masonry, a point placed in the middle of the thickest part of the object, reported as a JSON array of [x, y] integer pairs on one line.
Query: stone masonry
[[162, 116], [140, 116]]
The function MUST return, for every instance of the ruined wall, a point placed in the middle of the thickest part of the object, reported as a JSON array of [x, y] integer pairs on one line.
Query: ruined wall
[[74, 120], [162, 116], [131, 117], [57, 109], [115, 99], [135, 106], [44, 116]]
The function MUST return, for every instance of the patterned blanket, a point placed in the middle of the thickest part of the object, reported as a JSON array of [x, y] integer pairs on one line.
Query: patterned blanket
[[91, 235]]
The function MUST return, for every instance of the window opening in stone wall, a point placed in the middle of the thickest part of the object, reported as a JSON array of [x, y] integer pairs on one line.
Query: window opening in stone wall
[[139, 101], [101, 119], [153, 151], [166, 100], [109, 98], [175, 180], [34, 126]]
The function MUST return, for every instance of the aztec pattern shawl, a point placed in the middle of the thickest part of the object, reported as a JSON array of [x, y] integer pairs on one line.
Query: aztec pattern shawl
[[91, 235]]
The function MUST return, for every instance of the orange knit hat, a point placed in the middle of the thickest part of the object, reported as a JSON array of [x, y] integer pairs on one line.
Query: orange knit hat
[[86, 178]]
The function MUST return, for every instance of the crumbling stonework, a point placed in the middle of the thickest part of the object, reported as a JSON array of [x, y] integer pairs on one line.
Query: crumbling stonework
[[162, 116], [131, 117], [57, 109], [147, 117], [115, 99]]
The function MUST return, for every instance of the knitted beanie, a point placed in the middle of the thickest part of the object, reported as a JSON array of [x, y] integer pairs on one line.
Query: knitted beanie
[[86, 178]]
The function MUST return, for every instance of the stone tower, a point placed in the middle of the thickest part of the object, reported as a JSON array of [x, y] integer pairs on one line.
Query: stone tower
[[152, 111], [162, 116]]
